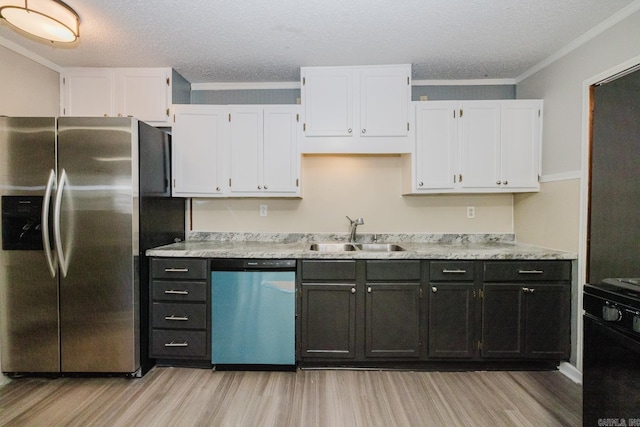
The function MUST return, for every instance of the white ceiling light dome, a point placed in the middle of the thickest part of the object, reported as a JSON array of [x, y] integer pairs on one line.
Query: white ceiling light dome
[[48, 19]]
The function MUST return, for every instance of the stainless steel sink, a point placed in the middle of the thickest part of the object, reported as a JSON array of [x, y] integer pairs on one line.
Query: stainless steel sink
[[379, 247], [332, 247], [350, 247]]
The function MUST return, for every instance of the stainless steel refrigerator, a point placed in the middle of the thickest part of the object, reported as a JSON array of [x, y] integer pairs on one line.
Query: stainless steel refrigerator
[[82, 199]]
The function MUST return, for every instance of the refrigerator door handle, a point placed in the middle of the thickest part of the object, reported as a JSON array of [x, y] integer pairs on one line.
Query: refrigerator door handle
[[52, 259], [64, 263]]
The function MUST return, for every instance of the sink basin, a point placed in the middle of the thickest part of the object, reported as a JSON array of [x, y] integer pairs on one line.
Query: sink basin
[[332, 247], [349, 247], [379, 247]]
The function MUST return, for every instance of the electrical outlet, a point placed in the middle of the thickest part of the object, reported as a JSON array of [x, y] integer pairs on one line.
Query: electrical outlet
[[471, 212], [263, 210]]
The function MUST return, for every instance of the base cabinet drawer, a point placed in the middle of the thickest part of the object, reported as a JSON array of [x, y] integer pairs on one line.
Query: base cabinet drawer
[[169, 344], [179, 316]]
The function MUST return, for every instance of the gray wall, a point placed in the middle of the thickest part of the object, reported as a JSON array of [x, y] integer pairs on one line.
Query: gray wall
[[290, 96]]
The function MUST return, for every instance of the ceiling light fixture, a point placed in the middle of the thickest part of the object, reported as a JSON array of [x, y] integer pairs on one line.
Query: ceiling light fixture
[[48, 19]]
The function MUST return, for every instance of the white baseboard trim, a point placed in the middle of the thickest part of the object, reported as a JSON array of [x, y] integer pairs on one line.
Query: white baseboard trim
[[571, 372]]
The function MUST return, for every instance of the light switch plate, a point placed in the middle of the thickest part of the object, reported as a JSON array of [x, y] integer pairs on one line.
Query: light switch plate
[[263, 210]]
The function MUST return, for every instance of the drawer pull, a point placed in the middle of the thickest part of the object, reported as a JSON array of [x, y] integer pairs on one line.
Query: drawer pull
[[177, 318], [176, 270], [177, 344], [175, 292], [446, 271], [530, 272]]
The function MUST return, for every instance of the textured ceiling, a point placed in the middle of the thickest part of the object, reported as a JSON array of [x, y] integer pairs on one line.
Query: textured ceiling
[[269, 40]]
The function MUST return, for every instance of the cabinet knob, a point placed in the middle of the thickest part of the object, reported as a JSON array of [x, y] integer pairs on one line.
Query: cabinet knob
[[119, 114], [420, 184], [434, 289], [217, 188], [106, 115], [259, 187], [266, 188], [369, 289], [349, 130], [353, 290], [498, 182], [506, 182], [364, 131]]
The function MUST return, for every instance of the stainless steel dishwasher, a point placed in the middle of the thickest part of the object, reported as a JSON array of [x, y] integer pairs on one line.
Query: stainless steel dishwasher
[[253, 312]]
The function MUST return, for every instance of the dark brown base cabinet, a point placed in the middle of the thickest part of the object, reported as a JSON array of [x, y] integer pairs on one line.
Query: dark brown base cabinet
[[526, 310], [180, 310], [368, 311], [452, 310], [360, 310]]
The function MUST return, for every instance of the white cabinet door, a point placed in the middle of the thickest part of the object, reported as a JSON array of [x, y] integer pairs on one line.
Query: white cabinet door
[[520, 144], [328, 101], [281, 157], [199, 135], [87, 92], [356, 109], [245, 149], [144, 93], [480, 144], [436, 158], [385, 94]]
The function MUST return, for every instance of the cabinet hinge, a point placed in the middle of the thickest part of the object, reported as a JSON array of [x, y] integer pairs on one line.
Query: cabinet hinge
[[460, 178], [297, 118], [479, 345], [174, 183], [168, 81], [407, 126], [461, 113], [229, 182], [454, 114], [64, 80], [168, 113], [408, 83], [304, 127], [480, 293], [297, 182], [539, 113], [229, 117], [64, 111], [538, 177], [174, 118]]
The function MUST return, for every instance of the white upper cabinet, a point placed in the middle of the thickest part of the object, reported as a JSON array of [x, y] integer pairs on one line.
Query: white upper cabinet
[[520, 144], [479, 144], [437, 145], [144, 93], [236, 151], [198, 146], [475, 146], [356, 109], [281, 157], [264, 160]]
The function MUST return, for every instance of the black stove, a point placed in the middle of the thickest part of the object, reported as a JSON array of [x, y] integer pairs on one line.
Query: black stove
[[611, 356]]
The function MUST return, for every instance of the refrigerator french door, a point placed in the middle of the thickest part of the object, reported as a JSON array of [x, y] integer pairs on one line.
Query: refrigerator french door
[[75, 305]]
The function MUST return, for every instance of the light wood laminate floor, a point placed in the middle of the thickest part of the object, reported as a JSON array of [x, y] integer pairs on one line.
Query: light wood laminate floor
[[197, 397]]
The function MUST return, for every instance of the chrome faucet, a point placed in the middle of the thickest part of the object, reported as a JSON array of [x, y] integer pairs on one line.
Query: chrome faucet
[[354, 224]]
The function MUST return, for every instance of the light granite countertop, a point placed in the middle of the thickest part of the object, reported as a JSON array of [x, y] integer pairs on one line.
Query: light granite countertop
[[297, 246]]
